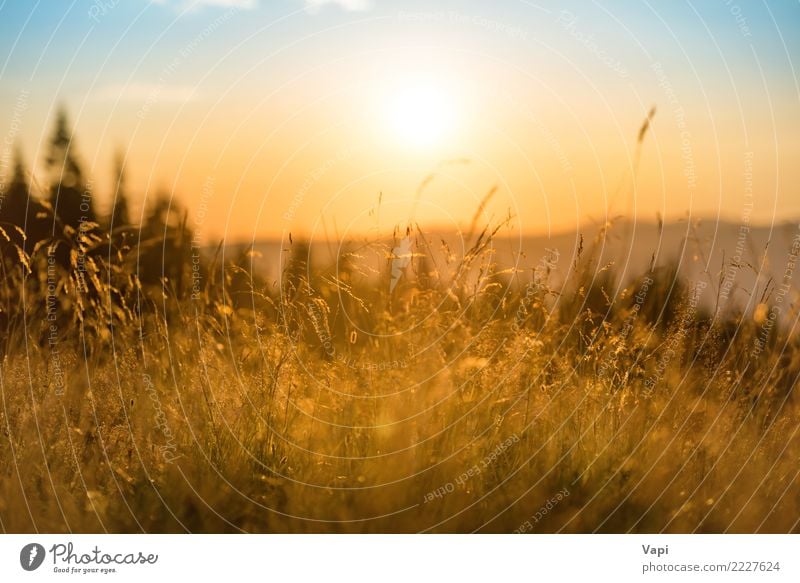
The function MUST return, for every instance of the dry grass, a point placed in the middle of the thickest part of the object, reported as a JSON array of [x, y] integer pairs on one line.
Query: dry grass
[[323, 404]]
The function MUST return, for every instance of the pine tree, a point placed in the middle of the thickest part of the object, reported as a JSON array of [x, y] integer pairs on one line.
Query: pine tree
[[160, 215], [166, 246], [69, 195], [120, 211], [18, 210], [14, 203]]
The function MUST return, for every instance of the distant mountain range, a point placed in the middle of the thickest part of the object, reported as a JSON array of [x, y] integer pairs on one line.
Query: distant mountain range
[[732, 258]]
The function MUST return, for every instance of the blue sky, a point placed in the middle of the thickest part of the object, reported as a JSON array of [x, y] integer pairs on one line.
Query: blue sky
[[219, 64]]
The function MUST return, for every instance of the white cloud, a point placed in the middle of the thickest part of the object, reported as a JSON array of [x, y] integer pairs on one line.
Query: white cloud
[[314, 6], [195, 4], [245, 4]]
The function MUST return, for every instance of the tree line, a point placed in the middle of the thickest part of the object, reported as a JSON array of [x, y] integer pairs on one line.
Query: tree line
[[62, 262]]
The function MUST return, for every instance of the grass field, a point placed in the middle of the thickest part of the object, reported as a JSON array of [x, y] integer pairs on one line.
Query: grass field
[[486, 401]]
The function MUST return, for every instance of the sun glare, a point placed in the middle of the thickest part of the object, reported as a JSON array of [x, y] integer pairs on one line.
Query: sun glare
[[421, 116]]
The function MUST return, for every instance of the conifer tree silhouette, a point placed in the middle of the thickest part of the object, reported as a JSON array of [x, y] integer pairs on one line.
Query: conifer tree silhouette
[[18, 210], [165, 249], [120, 210], [69, 196], [13, 205]]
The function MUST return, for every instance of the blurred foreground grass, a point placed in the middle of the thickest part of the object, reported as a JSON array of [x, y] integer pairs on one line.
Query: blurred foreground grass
[[322, 403]]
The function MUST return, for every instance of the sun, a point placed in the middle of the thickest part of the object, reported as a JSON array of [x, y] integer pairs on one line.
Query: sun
[[421, 115]]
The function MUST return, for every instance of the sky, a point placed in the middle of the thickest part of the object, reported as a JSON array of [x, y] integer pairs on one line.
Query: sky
[[264, 117]]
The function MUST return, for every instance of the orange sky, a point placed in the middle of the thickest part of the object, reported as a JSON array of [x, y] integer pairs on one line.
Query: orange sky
[[265, 119]]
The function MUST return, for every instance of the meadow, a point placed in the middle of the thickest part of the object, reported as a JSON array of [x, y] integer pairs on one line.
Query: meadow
[[555, 395]]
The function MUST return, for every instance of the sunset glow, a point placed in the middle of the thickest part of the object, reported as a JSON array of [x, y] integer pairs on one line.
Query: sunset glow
[[546, 102], [400, 266], [422, 115]]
